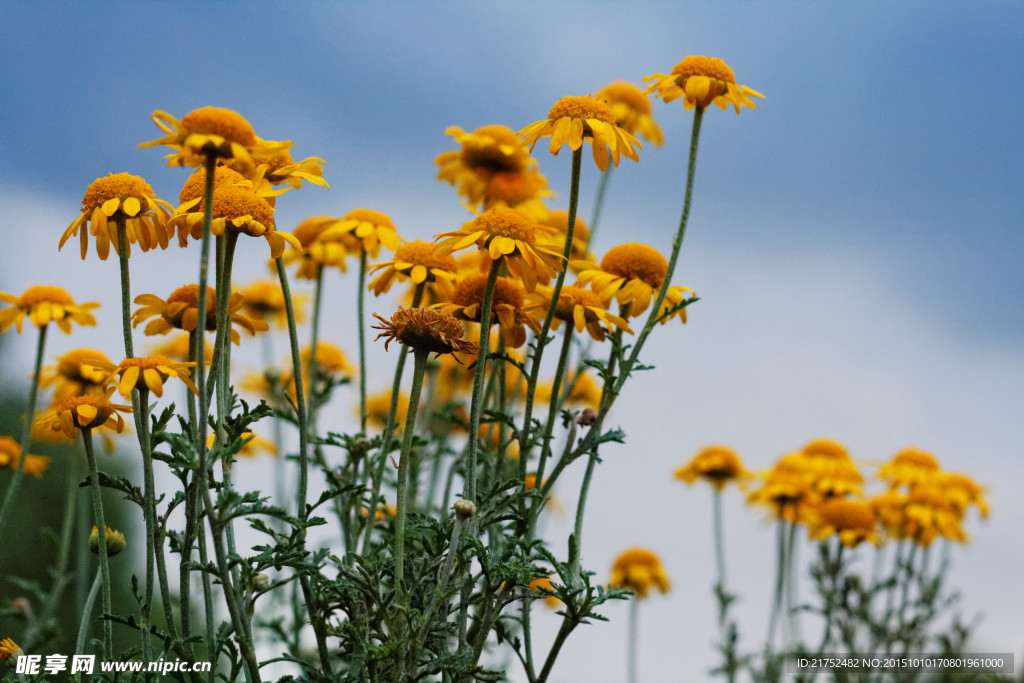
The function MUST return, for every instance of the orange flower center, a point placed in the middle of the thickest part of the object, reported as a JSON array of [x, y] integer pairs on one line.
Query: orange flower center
[[846, 514], [422, 253], [492, 148], [264, 297], [712, 67], [40, 294], [145, 362], [471, 291], [719, 463], [115, 186], [236, 201], [928, 496], [581, 107], [636, 262], [228, 124], [195, 186], [514, 187], [628, 94], [70, 366], [369, 216], [189, 295], [103, 409], [274, 163], [504, 222], [571, 297]]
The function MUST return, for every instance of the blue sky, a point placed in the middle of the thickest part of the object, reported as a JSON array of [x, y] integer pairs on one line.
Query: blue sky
[[856, 240]]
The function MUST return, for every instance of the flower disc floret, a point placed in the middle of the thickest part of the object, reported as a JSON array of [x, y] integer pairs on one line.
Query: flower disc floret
[[633, 274], [43, 304], [424, 329], [507, 307], [225, 123], [636, 262], [574, 119], [700, 81], [852, 520]]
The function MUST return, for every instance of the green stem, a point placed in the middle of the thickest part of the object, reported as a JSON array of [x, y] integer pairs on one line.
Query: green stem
[[361, 329], [26, 436], [97, 511], [634, 630], [719, 536], [553, 404], [122, 257], [574, 560], [476, 407], [780, 577], [141, 398], [598, 205], [90, 602]]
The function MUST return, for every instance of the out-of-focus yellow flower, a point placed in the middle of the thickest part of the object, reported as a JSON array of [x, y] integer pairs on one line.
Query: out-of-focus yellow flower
[[632, 273], [558, 221], [510, 235], [544, 584], [383, 513], [9, 649], [10, 455], [831, 470], [371, 229], [213, 132], [114, 541], [425, 329], [317, 251], [145, 372], [72, 377], [572, 120], [632, 110], [416, 261], [717, 465], [379, 405], [507, 307], [962, 492], [701, 81], [176, 347], [282, 169], [584, 392], [582, 307], [929, 513], [264, 300], [852, 520], [120, 195], [84, 412], [252, 445], [787, 493], [639, 569], [910, 467], [43, 304], [181, 311]]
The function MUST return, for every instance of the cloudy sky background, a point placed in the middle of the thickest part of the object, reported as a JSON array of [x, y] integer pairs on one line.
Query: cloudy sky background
[[856, 241]]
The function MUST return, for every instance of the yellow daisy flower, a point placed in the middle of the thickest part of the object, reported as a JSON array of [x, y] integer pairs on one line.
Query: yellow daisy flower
[[181, 311], [929, 513], [507, 307], [701, 81], [787, 493], [573, 120], [71, 375], [9, 649], [120, 195], [213, 132], [910, 467], [264, 301], [252, 445], [10, 455], [282, 169], [962, 492], [582, 307], [831, 470], [638, 570], [145, 372], [425, 329], [417, 261], [558, 221], [852, 520], [318, 251], [717, 465], [176, 347], [510, 235], [632, 110], [42, 304], [379, 405], [84, 412], [370, 228], [633, 273], [114, 541]]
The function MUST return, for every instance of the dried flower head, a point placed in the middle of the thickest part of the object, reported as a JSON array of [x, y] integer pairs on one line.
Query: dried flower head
[[426, 330]]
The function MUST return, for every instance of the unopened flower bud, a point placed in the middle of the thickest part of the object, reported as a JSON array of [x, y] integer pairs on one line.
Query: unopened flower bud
[[115, 541], [260, 582], [587, 417], [465, 508]]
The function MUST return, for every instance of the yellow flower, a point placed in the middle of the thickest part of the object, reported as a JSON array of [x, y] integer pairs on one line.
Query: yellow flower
[[638, 569], [787, 492], [701, 81], [370, 228], [264, 301], [910, 467], [9, 649], [383, 513], [84, 412], [543, 585], [331, 363], [572, 120], [318, 251], [633, 273], [213, 132], [581, 307], [583, 392], [10, 455], [281, 169], [632, 110], [718, 465], [558, 221], [145, 372], [181, 311], [43, 303], [252, 445], [114, 541], [492, 165], [417, 261], [962, 492], [120, 195], [510, 235], [176, 347], [852, 520], [507, 307], [236, 207], [379, 405], [831, 470], [426, 330], [929, 513], [72, 376]]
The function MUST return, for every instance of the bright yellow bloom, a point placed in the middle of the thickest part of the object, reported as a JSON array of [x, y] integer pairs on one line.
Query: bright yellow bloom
[[632, 110], [181, 311], [543, 584], [114, 541], [492, 166], [787, 492], [72, 376], [10, 455], [9, 649], [264, 300], [701, 81], [584, 392], [120, 195], [84, 412], [831, 470], [929, 513], [510, 235], [283, 170], [417, 261], [213, 132], [252, 445], [582, 307], [370, 228], [638, 569], [145, 372], [718, 465], [558, 221], [425, 329], [633, 273], [43, 303], [962, 492], [507, 307], [176, 347], [379, 405], [572, 120], [910, 467], [318, 251], [852, 520], [330, 359]]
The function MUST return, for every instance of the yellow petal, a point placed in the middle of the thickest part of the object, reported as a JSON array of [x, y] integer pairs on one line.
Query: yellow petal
[[132, 206], [110, 206], [419, 274], [153, 381], [128, 380]]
